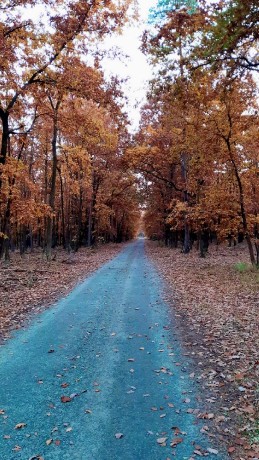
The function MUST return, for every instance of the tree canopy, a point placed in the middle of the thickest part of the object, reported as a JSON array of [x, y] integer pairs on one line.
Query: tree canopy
[[197, 146]]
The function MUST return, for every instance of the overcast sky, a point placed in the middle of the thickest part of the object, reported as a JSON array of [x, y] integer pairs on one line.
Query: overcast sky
[[135, 67]]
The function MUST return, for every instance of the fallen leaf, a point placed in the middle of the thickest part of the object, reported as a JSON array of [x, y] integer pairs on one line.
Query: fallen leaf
[[65, 399], [176, 430], [49, 441], [212, 451], [161, 440], [36, 457], [19, 426], [119, 435], [176, 441], [242, 389], [198, 452]]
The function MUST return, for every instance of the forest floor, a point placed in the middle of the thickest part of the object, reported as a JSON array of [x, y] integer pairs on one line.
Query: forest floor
[[216, 303], [29, 283]]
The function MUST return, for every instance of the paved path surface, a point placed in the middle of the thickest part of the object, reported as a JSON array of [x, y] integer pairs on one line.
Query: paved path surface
[[108, 349]]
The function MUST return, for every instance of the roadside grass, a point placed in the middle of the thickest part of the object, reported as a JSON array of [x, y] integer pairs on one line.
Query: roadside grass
[[242, 267], [248, 275], [254, 435]]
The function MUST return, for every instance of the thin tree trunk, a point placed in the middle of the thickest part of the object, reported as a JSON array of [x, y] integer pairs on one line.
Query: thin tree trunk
[[184, 162], [242, 204], [49, 229], [4, 229], [90, 222], [62, 210], [79, 229], [5, 239]]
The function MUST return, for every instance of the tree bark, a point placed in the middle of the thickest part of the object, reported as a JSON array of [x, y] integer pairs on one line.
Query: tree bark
[[62, 210], [5, 136], [241, 203], [49, 228]]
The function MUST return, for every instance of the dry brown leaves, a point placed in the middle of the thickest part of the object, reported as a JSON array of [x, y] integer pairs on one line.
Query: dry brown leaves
[[217, 310], [28, 284]]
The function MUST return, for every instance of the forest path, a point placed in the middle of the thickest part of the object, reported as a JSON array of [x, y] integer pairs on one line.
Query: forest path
[[107, 350]]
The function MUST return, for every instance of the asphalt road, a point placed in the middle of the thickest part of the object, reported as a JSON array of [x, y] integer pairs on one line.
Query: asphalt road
[[101, 375]]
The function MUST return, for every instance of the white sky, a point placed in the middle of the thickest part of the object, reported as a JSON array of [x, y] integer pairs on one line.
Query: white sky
[[135, 67]]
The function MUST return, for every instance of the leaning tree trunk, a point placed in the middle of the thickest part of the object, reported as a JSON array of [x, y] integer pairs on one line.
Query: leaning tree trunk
[[242, 204]]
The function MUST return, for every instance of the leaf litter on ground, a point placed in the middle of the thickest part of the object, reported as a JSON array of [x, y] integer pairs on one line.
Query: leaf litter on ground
[[216, 309]]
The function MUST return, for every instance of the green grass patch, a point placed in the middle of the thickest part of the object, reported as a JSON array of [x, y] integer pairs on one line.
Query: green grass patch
[[254, 435], [242, 267]]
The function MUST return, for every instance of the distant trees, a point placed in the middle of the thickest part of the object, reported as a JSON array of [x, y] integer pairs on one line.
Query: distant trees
[[197, 146], [62, 130]]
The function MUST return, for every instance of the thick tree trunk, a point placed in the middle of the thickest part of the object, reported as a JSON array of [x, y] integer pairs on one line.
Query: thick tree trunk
[[203, 243], [5, 136], [187, 241]]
